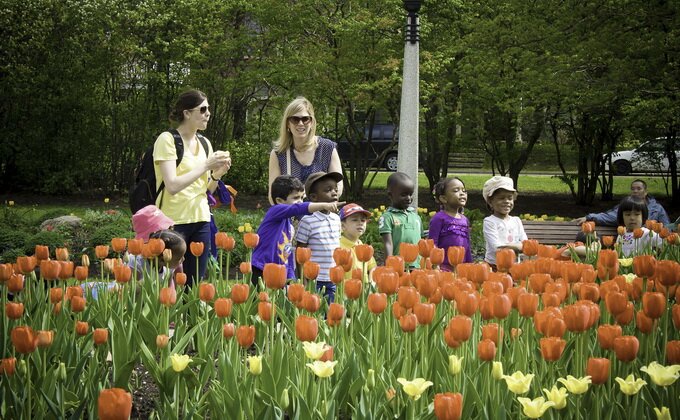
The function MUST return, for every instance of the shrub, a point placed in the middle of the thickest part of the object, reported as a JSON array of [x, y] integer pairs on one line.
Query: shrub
[[10, 255], [12, 239], [52, 239], [250, 171]]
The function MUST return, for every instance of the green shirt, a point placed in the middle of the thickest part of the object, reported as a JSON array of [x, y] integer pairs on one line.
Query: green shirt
[[404, 225]]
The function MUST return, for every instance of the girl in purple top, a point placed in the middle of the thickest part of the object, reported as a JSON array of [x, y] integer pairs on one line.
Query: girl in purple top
[[449, 227]]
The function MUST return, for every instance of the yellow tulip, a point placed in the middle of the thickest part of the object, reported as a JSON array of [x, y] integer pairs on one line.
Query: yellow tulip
[[518, 382], [662, 375], [415, 387], [663, 414], [106, 200], [497, 370], [630, 277], [382, 208], [630, 385], [313, 350], [241, 229], [535, 408], [248, 228], [10, 203], [576, 385], [455, 364], [179, 362], [625, 262], [255, 364], [322, 369], [558, 396]]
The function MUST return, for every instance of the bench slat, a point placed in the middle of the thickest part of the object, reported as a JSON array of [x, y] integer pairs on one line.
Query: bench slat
[[558, 233]]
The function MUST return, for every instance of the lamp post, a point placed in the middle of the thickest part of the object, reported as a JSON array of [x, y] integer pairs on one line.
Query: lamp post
[[410, 98]]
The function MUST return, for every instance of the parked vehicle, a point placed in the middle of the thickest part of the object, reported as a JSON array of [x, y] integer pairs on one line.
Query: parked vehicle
[[650, 156], [380, 141]]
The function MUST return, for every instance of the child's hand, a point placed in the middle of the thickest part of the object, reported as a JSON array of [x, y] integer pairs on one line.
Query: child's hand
[[334, 206]]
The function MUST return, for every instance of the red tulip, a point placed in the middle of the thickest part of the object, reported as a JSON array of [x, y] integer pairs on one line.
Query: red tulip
[[302, 254], [311, 270], [598, 370], [353, 289], [552, 348], [335, 314], [408, 322], [409, 252], [377, 302], [460, 327], [228, 331], [14, 310], [306, 328], [223, 307], [424, 313], [407, 297], [626, 348], [245, 335], [240, 292], [606, 335], [654, 304], [364, 252], [8, 366], [274, 275], [295, 292], [486, 350], [673, 352], [100, 336], [448, 406], [114, 404], [206, 292], [250, 239], [265, 310]]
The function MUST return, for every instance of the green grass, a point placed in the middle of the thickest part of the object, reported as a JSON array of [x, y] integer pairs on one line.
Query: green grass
[[536, 183]]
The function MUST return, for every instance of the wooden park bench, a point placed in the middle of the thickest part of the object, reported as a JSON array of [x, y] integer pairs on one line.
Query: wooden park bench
[[559, 233]]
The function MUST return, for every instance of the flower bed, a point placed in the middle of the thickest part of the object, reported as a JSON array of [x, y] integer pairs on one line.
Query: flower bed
[[541, 338]]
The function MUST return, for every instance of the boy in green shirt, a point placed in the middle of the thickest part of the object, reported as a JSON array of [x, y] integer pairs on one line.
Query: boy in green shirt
[[400, 222]]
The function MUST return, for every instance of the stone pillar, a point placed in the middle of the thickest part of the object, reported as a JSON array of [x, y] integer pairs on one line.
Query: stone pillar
[[410, 99]]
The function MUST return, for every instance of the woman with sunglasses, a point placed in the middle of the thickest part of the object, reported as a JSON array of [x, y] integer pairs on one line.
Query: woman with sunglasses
[[299, 151], [184, 199]]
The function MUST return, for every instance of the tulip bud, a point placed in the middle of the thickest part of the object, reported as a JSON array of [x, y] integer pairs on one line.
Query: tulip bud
[[126, 258], [284, 401], [62, 372], [167, 255], [85, 260], [162, 341], [497, 371], [21, 367], [370, 381]]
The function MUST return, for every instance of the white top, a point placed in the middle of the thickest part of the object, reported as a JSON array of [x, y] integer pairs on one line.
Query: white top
[[321, 233], [499, 232], [631, 246]]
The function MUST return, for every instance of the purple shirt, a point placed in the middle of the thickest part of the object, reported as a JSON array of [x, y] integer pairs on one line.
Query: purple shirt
[[449, 231], [276, 237]]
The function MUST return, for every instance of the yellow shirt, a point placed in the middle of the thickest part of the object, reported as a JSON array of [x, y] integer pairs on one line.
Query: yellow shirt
[[370, 265], [191, 204]]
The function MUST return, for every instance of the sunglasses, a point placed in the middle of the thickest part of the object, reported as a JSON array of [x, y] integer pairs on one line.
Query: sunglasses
[[202, 109], [297, 120]]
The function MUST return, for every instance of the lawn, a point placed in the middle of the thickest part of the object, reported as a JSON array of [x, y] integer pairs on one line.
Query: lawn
[[537, 183]]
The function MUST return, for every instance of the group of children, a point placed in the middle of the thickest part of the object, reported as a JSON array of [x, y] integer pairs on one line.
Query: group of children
[[325, 224]]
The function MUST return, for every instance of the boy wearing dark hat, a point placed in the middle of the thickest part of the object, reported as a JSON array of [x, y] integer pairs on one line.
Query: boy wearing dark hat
[[320, 231], [276, 230], [353, 218]]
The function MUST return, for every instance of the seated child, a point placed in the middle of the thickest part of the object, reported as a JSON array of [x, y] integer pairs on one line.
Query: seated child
[[449, 227], [500, 229], [400, 223], [353, 218], [632, 213], [148, 223], [276, 230], [320, 231]]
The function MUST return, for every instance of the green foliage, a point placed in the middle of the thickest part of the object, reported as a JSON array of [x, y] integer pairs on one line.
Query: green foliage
[[249, 172], [11, 238], [52, 239]]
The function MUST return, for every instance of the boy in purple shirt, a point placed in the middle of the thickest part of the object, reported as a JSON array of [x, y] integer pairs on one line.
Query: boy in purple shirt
[[276, 230]]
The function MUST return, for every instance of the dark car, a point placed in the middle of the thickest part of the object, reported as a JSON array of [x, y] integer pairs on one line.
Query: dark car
[[381, 144]]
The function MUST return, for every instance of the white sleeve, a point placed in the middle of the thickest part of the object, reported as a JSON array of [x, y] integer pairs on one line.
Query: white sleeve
[[491, 239]]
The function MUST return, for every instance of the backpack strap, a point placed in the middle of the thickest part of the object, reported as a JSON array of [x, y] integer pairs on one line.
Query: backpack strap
[[179, 149]]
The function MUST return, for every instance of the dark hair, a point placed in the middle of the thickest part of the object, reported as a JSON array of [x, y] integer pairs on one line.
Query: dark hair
[[631, 204], [440, 187], [397, 178], [173, 241], [186, 100], [284, 185], [640, 181]]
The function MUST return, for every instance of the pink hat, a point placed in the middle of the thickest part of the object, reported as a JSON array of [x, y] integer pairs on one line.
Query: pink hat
[[352, 208], [148, 220]]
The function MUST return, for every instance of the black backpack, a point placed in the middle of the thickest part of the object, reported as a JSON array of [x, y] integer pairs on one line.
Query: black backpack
[[144, 192]]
